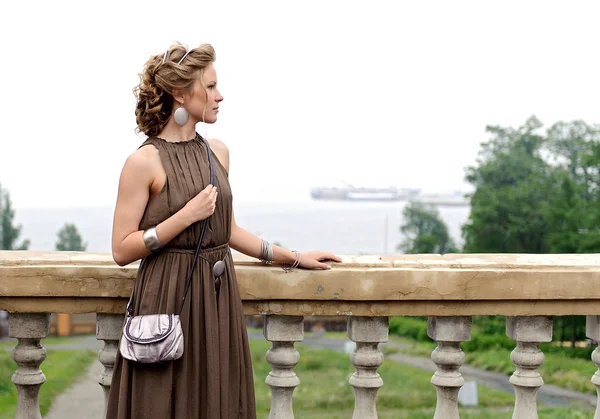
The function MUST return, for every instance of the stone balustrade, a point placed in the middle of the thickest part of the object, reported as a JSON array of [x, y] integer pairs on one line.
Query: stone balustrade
[[528, 289]]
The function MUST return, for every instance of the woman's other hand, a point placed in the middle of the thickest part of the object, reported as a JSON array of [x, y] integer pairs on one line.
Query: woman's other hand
[[314, 260], [202, 205]]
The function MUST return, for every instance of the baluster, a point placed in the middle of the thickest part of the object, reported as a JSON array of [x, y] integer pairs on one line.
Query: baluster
[[28, 328], [528, 332], [283, 332], [108, 329], [368, 333], [592, 331], [448, 332]]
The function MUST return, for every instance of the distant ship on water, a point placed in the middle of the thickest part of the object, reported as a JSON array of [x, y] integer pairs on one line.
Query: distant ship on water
[[352, 193], [456, 199]]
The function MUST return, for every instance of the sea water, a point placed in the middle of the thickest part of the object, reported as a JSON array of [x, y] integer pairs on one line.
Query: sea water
[[342, 227]]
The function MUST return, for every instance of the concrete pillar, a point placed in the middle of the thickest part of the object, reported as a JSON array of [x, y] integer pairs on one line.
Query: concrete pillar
[[528, 332], [283, 332], [448, 332], [368, 333], [108, 328], [28, 328], [592, 330]]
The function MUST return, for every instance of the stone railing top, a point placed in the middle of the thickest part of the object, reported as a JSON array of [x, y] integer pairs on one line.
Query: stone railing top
[[453, 284], [469, 261]]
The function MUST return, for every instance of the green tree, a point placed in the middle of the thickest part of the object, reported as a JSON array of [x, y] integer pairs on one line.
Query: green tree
[[69, 239], [572, 210], [572, 146], [424, 231], [511, 180], [537, 193], [9, 233]]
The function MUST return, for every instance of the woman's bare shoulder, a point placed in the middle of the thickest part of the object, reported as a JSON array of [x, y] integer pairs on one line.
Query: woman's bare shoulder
[[143, 162], [220, 149]]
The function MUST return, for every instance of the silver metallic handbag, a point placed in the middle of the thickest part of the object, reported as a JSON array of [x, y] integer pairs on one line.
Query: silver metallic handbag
[[154, 338]]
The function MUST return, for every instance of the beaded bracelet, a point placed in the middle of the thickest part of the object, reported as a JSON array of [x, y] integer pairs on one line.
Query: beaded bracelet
[[295, 264]]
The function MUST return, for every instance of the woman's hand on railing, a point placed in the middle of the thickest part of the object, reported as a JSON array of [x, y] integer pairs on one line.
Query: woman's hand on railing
[[316, 259]]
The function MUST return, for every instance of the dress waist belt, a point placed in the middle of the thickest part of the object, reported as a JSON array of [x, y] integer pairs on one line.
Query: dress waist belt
[[222, 247], [214, 255]]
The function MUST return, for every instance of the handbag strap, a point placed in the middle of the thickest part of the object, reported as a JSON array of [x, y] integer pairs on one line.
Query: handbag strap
[[204, 224], [202, 231]]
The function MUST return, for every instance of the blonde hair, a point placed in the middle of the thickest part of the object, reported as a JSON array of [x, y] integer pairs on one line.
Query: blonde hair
[[159, 79]]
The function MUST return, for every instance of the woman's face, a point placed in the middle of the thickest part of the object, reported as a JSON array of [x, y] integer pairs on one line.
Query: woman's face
[[201, 104]]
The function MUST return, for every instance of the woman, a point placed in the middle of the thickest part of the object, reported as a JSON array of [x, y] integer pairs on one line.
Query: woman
[[164, 193]]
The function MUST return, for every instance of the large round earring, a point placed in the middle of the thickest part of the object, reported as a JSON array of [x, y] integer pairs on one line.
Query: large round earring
[[181, 115]]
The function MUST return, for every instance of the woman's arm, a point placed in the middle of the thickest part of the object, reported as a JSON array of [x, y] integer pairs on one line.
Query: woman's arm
[[138, 174], [247, 243]]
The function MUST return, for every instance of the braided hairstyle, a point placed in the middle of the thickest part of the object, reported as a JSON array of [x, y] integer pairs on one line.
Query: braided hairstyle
[[159, 79]]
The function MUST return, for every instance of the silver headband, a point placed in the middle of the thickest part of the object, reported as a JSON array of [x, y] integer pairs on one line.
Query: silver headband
[[184, 55], [182, 58]]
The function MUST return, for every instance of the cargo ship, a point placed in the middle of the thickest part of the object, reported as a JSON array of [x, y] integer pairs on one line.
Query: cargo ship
[[351, 193], [457, 199]]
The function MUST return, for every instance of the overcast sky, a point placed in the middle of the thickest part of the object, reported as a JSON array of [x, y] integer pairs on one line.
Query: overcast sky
[[316, 92]]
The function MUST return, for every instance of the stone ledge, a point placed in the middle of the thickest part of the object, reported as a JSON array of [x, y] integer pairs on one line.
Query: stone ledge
[[460, 260], [72, 274], [395, 285], [328, 308]]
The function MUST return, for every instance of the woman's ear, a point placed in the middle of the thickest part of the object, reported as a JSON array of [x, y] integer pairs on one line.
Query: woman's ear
[[178, 96]]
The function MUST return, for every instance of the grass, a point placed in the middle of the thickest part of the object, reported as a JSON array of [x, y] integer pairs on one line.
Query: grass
[[328, 335], [52, 340], [562, 371], [324, 391], [571, 373], [61, 368], [574, 374], [491, 413]]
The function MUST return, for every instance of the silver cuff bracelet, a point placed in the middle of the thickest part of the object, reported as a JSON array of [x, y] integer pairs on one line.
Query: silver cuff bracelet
[[266, 252], [151, 239]]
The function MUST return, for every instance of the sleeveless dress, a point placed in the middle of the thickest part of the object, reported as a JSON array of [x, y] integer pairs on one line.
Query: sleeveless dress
[[213, 379]]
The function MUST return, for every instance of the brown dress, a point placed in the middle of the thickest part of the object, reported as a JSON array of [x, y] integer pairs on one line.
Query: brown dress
[[213, 379]]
